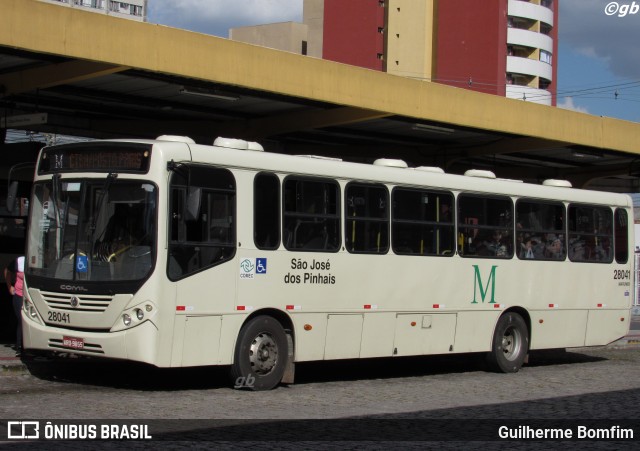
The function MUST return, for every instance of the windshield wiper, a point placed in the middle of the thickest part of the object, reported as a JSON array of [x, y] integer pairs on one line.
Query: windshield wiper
[[55, 187], [105, 192]]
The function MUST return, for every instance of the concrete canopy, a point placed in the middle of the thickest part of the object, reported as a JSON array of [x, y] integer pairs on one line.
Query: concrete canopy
[[99, 76]]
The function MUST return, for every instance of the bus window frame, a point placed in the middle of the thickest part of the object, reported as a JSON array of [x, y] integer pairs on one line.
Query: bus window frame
[[278, 213], [480, 227], [181, 241], [543, 231], [571, 233], [286, 234], [436, 225], [368, 219], [615, 236]]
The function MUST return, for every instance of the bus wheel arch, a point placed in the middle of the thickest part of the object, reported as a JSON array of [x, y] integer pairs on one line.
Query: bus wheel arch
[[263, 354], [510, 341]]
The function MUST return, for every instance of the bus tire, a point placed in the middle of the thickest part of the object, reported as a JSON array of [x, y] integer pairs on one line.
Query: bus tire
[[261, 355], [510, 344]]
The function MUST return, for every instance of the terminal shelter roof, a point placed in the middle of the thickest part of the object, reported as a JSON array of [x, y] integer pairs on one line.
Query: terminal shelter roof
[[97, 76]]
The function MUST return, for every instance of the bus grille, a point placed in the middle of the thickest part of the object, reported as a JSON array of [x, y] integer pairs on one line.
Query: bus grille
[[85, 303], [88, 347]]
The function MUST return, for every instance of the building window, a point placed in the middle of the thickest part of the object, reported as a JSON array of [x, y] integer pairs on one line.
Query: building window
[[545, 56]]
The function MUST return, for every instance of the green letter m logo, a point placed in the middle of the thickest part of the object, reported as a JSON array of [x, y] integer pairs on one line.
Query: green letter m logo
[[484, 289]]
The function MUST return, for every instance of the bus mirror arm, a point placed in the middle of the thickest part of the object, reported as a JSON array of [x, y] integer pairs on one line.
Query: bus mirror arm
[[12, 187], [12, 191], [178, 168]]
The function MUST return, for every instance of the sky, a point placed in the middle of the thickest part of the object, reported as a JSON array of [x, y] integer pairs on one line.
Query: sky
[[598, 58]]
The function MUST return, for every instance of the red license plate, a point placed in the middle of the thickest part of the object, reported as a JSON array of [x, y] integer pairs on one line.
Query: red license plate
[[73, 342]]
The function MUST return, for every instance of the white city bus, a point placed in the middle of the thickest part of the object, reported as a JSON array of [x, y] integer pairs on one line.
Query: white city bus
[[178, 254]]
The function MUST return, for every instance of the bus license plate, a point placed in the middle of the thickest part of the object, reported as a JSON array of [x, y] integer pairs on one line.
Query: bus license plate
[[73, 342]]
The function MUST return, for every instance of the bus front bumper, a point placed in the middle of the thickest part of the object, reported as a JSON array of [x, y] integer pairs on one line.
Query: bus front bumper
[[137, 344]]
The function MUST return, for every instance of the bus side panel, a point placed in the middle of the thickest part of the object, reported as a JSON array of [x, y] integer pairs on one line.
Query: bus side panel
[[558, 328], [377, 334], [474, 330], [344, 334], [231, 325], [605, 326], [201, 340], [207, 294], [309, 340], [419, 333]]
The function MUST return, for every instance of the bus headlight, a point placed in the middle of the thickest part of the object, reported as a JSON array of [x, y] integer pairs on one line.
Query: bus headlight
[[30, 310], [135, 315]]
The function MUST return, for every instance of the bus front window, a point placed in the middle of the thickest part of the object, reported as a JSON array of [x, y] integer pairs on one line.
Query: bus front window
[[92, 230]]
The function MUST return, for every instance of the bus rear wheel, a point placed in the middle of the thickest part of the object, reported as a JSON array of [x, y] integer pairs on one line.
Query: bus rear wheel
[[510, 344], [261, 355]]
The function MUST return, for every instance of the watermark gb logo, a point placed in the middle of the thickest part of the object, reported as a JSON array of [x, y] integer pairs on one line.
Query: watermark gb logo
[[621, 10]]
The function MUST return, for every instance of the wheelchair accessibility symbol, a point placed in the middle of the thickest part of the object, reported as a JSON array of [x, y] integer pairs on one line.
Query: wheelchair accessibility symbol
[[261, 265], [82, 263]]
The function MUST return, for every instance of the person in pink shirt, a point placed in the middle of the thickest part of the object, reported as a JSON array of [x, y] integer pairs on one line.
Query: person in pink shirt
[[14, 276]]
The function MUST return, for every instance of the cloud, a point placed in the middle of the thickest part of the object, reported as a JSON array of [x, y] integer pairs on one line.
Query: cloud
[[217, 16], [568, 104], [586, 28]]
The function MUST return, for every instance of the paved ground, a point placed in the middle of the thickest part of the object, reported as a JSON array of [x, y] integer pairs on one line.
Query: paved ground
[[349, 404]]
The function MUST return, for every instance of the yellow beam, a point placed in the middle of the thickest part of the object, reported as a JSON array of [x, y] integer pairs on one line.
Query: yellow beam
[[294, 121], [41, 27], [504, 146], [52, 75]]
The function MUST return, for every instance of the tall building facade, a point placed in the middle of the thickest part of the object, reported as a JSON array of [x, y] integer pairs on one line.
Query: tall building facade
[[502, 47], [128, 9]]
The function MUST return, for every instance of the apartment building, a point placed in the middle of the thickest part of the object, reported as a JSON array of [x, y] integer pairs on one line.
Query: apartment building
[[502, 47], [129, 9]]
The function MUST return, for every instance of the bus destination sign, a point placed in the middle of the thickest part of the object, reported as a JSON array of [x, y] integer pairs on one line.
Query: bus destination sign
[[112, 157]]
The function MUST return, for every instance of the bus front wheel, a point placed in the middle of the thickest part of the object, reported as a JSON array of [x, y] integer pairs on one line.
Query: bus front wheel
[[261, 355], [510, 344]]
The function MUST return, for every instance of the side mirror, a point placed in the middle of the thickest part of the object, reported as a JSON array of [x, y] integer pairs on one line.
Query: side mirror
[[11, 196]]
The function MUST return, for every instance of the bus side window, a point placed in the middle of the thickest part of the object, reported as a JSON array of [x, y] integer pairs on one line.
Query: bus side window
[[590, 233], [367, 218], [202, 220], [311, 215], [422, 222], [485, 226], [621, 238], [540, 230], [266, 211]]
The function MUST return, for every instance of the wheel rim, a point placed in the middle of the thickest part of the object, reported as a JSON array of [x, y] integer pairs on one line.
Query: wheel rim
[[511, 343], [263, 354]]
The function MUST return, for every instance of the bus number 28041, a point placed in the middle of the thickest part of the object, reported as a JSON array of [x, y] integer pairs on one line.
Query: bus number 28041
[[59, 317]]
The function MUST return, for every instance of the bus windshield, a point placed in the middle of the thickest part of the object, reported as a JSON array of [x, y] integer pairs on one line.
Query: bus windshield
[[92, 230]]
